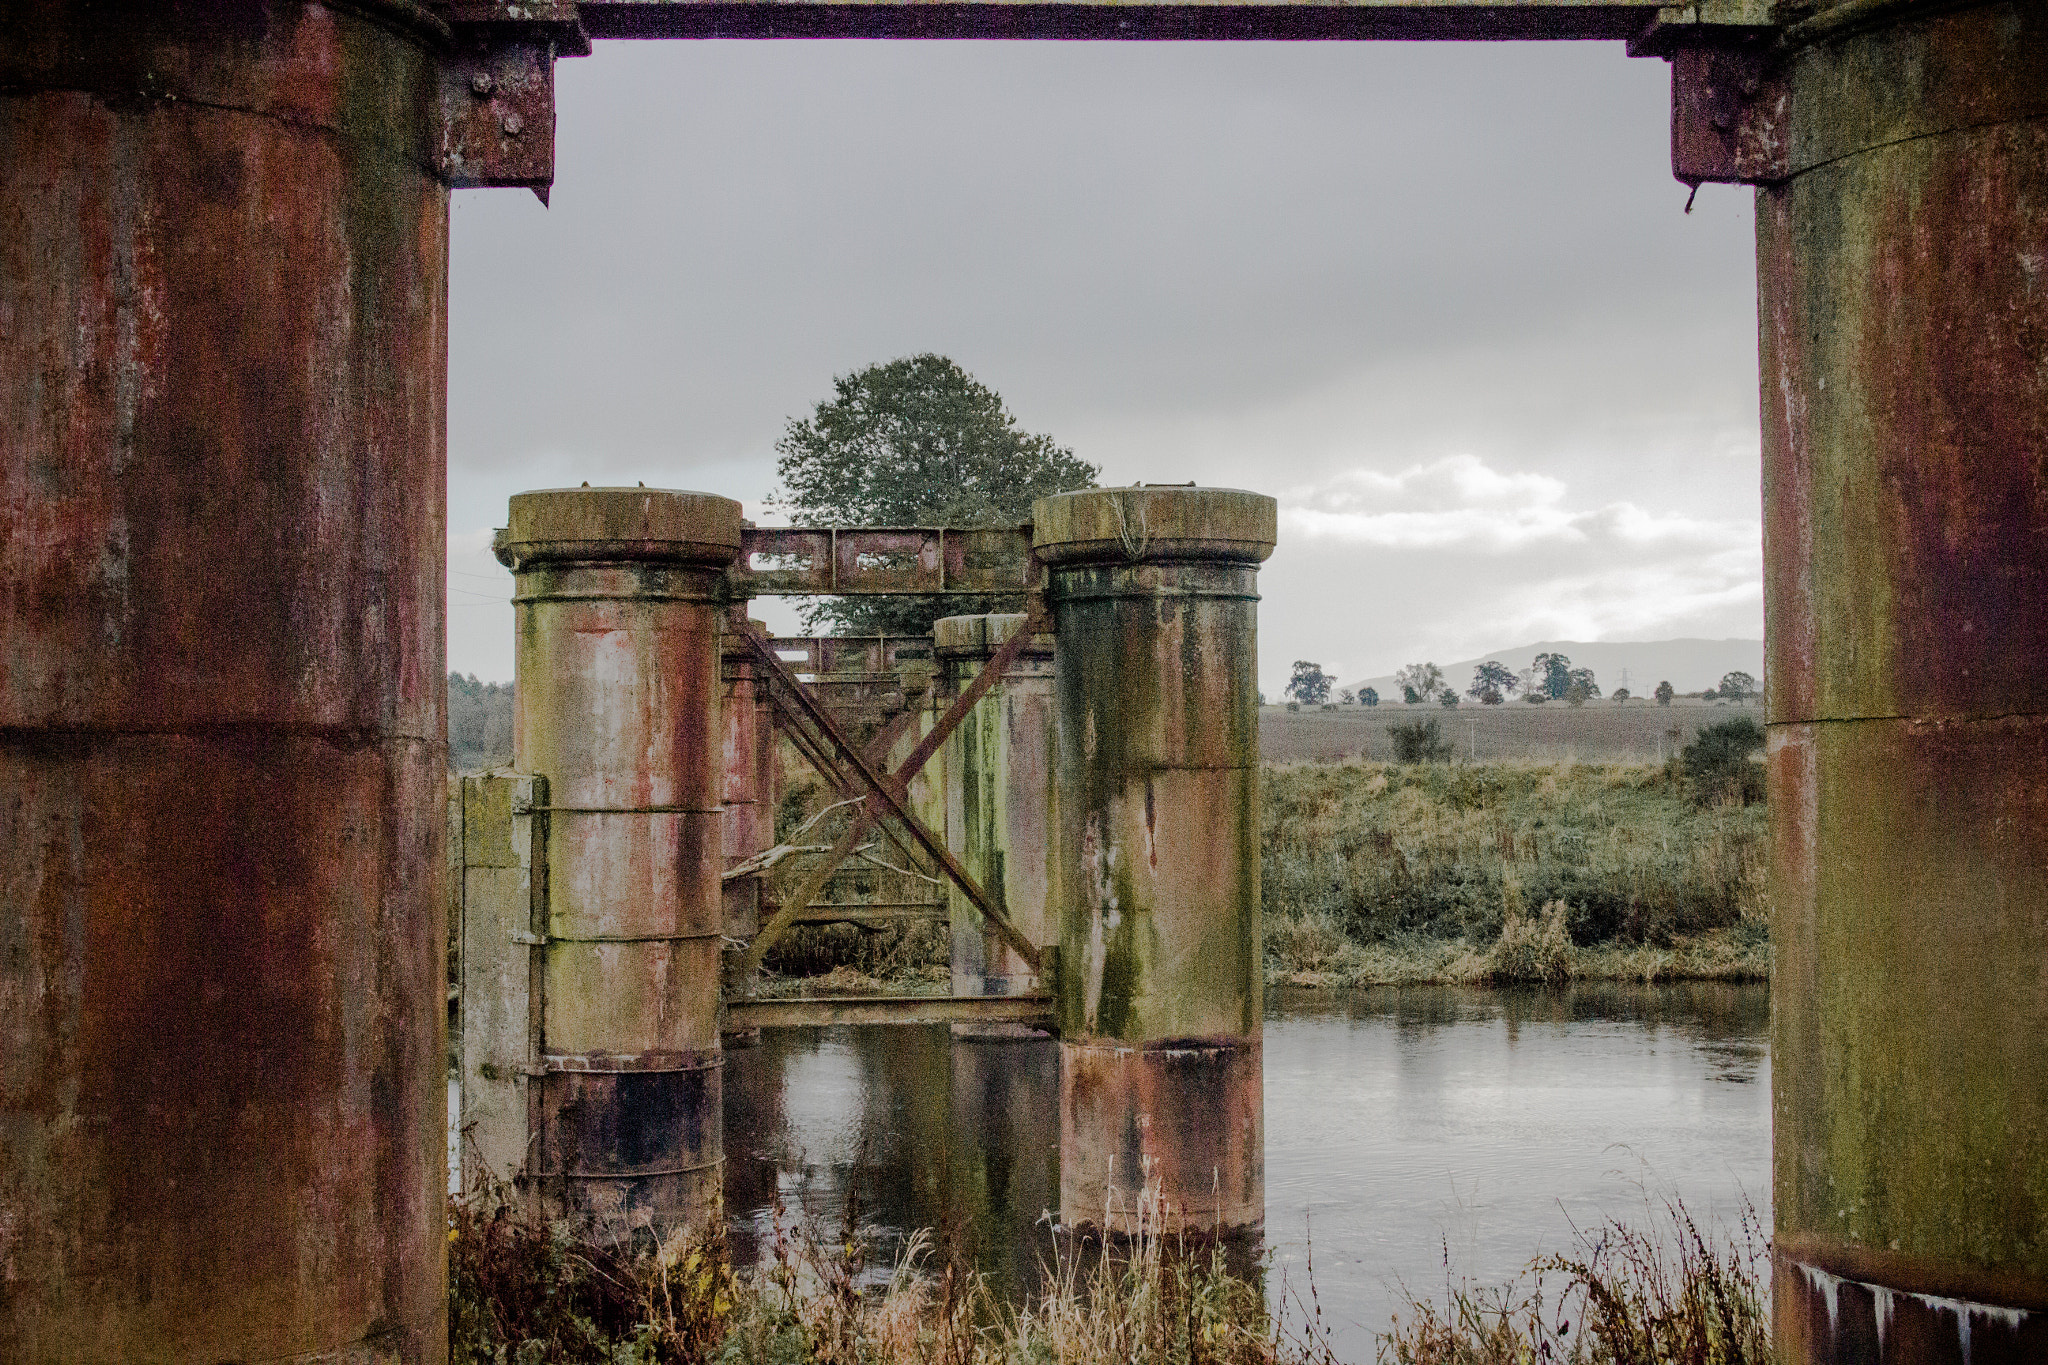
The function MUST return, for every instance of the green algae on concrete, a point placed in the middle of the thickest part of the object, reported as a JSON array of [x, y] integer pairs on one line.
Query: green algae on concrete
[[1159, 997]]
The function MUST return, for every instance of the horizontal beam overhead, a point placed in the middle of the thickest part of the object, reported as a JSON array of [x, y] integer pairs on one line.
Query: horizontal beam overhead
[[1099, 20], [1035, 1010]]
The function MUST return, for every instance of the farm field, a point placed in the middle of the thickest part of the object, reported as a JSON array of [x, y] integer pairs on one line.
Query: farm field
[[1598, 732]]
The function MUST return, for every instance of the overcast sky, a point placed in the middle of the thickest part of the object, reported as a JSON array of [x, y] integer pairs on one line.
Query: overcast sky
[[1441, 301]]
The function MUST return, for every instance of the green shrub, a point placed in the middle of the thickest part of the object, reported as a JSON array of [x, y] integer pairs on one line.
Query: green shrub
[[1419, 741], [1717, 764]]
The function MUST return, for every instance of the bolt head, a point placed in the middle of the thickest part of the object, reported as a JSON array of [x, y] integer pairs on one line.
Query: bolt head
[[481, 84], [513, 125]]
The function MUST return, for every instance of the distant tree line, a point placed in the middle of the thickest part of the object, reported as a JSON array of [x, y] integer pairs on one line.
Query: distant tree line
[[1549, 677], [479, 723]]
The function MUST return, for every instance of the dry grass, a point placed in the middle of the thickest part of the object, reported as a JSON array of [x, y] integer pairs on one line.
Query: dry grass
[[1673, 1296], [521, 1293]]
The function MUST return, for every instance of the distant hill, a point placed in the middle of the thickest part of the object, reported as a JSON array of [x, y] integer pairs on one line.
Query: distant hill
[[1689, 665]]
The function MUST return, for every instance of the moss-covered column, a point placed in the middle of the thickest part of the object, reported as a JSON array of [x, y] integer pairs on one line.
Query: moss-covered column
[[618, 708], [999, 802], [1903, 273], [1155, 606]]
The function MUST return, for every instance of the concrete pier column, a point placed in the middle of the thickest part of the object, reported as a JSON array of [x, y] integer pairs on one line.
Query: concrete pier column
[[618, 708], [1903, 283], [223, 328], [1155, 605], [998, 802], [746, 779]]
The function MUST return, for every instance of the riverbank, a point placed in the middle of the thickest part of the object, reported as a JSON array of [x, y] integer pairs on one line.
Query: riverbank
[[1501, 873]]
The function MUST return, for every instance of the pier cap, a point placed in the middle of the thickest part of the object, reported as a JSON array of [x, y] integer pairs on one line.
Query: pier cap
[[1159, 523], [659, 524], [967, 636]]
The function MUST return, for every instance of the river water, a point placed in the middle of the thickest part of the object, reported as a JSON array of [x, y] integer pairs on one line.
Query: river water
[[1405, 1129]]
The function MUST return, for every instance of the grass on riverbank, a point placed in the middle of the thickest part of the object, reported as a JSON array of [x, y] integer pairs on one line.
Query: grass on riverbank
[[1387, 874], [523, 1293]]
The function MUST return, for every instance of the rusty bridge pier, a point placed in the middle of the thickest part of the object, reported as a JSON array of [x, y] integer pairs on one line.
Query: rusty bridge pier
[[1902, 247], [748, 779], [618, 710], [999, 803], [223, 320], [1159, 996]]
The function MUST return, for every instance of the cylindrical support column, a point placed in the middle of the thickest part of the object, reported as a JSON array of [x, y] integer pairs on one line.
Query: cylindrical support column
[[998, 802], [618, 708], [744, 747], [1903, 280], [223, 275], [1155, 606]]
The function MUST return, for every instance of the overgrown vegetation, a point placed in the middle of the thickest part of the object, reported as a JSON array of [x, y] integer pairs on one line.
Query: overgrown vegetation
[[1672, 1296], [522, 1292], [1717, 763], [1508, 872]]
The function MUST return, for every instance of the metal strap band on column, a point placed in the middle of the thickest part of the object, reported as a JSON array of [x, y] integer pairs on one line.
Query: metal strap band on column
[[1063, 593], [619, 810], [545, 939], [563, 1064]]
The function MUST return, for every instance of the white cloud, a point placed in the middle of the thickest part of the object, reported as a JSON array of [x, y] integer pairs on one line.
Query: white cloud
[[1461, 502]]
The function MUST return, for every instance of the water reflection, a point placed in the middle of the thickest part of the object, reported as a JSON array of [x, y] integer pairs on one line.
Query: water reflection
[[1403, 1128]]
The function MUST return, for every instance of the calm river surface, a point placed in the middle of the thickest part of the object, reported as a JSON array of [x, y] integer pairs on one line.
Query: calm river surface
[[1401, 1126]]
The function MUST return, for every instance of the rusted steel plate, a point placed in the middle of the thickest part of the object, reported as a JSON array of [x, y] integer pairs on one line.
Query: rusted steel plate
[[635, 1148], [1035, 1010], [1185, 1115], [1840, 1319], [498, 110], [222, 939], [801, 561], [1098, 20], [1730, 112]]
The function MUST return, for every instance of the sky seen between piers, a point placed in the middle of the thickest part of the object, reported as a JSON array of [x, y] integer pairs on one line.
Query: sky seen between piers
[[1441, 301]]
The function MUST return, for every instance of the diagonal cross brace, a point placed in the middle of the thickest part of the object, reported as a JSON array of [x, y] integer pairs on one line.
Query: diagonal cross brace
[[884, 792]]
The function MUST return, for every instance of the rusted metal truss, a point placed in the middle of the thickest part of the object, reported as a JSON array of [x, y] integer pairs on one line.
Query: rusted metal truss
[[1032, 1010], [800, 561], [857, 654], [882, 794]]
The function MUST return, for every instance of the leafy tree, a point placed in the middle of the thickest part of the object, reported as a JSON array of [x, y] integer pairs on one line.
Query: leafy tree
[[1447, 697], [1369, 697], [914, 442], [1345, 696], [1621, 695], [1419, 682], [1552, 675], [479, 723], [1664, 694], [1580, 687], [1717, 763], [1492, 681], [1419, 741], [1310, 685], [1737, 686]]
